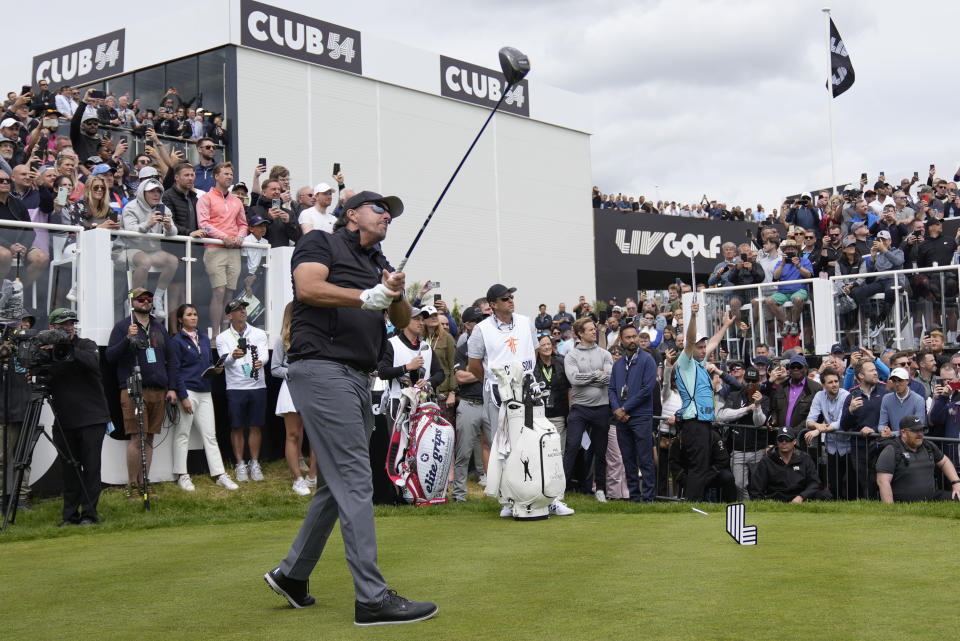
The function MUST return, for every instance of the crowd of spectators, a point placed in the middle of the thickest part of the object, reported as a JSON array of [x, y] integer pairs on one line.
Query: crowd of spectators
[[776, 401]]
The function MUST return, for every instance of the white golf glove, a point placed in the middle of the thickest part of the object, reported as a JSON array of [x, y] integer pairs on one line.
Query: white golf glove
[[376, 297]]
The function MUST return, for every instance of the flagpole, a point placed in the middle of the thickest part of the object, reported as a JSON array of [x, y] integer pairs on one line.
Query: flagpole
[[833, 144]]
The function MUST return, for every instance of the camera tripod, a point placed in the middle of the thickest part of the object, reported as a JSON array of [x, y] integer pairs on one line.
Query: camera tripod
[[29, 435], [135, 391]]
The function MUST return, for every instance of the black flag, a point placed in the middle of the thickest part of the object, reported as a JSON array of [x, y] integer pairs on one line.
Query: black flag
[[841, 68]]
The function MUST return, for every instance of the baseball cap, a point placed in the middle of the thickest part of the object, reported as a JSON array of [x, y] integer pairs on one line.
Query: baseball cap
[[837, 349], [761, 360], [256, 219], [234, 305], [239, 185], [847, 242], [497, 290], [797, 359], [786, 433], [393, 203], [89, 114], [616, 308], [900, 373], [322, 188], [139, 291], [701, 337], [147, 172], [102, 168], [910, 422], [857, 225], [150, 184], [884, 234], [471, 315], [10, 122], [62, 315], [429, 309], [418, 311], [9, 140], [933, 220]]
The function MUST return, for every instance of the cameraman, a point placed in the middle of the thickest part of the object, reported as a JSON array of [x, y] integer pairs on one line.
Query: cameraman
[[142, 340], [13, 407], [81, 412]]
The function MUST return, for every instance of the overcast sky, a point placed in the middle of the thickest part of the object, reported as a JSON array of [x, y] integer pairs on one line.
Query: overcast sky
[[691, 96]]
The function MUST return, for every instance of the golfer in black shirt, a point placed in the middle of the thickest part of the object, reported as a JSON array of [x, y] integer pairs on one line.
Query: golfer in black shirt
[[342, 283]]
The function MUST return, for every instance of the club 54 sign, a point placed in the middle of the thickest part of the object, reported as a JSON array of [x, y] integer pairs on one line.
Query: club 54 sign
[[298, 36], [81, 62], [481, 86]]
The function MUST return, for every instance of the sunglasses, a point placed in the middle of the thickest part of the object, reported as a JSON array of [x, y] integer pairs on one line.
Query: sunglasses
[[795, 366], [97, 188], [784, 439], [377, 208], [4, 181], [144, 299], [506, 298], [206, 147]]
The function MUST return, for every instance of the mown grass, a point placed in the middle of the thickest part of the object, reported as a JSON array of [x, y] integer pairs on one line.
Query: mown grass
[[192, 567]]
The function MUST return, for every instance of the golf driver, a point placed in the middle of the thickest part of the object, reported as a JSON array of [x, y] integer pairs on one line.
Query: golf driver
[[515, 65]]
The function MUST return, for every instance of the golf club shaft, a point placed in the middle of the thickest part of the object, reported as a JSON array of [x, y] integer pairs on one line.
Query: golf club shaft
[[406, 257]]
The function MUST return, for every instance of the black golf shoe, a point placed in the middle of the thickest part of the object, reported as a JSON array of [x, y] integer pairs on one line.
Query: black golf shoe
[[394, 609], [297, 593]]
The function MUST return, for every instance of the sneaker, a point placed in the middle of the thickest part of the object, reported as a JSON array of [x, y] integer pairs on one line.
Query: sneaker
[[24, 503], [225, 481], [482, 482], [240, 471], [185, 483], [160, 303], [311, 481], [601, 497], [300, 487], [506, 512], [89, 520], [131, 491], [875, 328], [559, 508], [255, 473], [297, 593], [72, 294], [394, 609], [304, 466]]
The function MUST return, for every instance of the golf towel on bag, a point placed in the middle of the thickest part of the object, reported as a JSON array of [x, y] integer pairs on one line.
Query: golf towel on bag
[[421, 450]]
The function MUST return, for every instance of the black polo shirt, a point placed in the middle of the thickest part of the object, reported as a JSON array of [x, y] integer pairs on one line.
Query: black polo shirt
[[349, 335]]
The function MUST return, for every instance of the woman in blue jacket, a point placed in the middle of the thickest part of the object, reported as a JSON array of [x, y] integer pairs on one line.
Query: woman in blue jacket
[[191, 354]]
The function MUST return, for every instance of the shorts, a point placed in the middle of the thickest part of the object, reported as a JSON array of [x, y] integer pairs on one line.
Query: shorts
[[247, 407], [780, 298], [154, 409], [223, 267]]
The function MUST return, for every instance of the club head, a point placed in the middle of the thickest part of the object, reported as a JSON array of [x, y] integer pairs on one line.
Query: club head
[[514, 63]]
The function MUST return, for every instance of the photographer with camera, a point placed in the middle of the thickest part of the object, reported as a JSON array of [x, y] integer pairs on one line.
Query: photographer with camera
[[14, 394], [80, 407], [245, 348], [142, 340]]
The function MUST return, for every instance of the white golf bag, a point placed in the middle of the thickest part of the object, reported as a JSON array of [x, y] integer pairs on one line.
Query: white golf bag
[[421, 449], [526, 464]]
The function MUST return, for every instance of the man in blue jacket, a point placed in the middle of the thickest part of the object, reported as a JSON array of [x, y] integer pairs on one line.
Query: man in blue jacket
[[861, 413], [633, 383]]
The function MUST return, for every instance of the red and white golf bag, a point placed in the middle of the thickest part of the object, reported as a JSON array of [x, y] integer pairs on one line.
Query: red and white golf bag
[[421, 449], [526, 463]]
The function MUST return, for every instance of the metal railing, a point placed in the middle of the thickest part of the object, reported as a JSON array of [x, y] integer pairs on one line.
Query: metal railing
[[846, 461]]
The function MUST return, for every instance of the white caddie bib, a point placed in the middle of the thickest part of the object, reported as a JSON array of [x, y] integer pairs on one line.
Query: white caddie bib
[[503, 346], [403, 355]]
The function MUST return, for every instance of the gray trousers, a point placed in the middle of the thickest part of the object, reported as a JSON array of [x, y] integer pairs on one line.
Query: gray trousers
[[471, 419], [334, 403], [740, 462]]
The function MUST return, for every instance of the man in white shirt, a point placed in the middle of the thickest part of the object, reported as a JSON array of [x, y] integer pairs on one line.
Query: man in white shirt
[[245, 348], [317, 217]]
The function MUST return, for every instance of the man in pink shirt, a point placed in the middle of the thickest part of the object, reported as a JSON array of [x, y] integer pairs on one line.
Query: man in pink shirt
[[221, 215]]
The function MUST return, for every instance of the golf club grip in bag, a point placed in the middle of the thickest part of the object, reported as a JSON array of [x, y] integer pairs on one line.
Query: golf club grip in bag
[[421, 450]]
